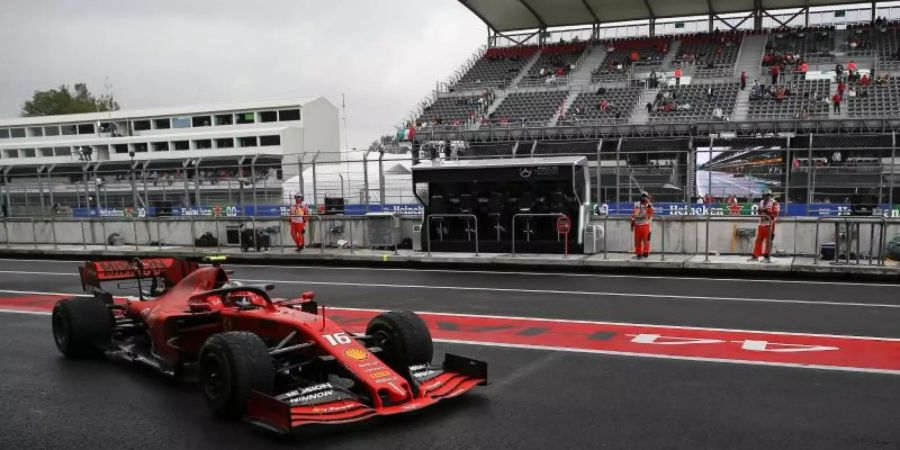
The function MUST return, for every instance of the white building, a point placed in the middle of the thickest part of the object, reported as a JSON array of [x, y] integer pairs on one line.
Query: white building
[[66, 155]]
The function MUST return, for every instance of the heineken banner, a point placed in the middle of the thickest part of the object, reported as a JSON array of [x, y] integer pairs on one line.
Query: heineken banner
[[743, 209]]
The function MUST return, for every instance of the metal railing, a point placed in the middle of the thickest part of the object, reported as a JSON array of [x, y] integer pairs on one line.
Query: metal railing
[[528, 234], [445, 216]]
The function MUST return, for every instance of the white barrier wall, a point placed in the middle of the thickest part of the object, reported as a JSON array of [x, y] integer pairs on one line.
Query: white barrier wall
[[682, 234]]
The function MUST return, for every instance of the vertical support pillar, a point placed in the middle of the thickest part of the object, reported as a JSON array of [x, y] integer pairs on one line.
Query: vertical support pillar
[[41, 189], [893, 171], [50, 186], [381, 187], [809, 175], [7, 199], [787, 177], [315, 182], [185, 166], [366, 180], [618, 167], [197, 181], [599, 167], [253, 182], [300, 179]]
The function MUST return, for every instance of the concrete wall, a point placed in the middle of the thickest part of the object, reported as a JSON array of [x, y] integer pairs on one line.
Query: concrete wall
[[682, 234]]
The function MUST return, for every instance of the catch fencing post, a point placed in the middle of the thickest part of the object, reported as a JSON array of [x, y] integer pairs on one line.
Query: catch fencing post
[[34, 238], [53, 232], [816, 248]]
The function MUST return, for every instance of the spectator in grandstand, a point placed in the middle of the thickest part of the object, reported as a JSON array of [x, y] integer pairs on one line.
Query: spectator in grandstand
[[836, 158], [677, 75], [718, 114], [865, 81], [743, 80], [803, 69], [839, 72], [836, 100], [775, 71], [603, 105], [649, 107], [780, 94], [633, 58], [841, 87], [851, 93], [852, 70]]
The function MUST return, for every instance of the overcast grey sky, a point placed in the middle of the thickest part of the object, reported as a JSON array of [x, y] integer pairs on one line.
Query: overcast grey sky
[[385, 55]]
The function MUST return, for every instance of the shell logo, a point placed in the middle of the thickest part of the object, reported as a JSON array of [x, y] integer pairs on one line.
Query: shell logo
[[355, 353]]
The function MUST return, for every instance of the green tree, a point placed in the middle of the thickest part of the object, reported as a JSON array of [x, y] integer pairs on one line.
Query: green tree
[[67, 101]]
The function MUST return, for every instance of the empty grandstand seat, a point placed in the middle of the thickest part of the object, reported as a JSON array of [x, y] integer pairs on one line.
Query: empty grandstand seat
[[714, 55], [497, 67], [534, 108], [701, 103], [651, 54], [585, 107], [554, 58], [453, 111], [803, 94]]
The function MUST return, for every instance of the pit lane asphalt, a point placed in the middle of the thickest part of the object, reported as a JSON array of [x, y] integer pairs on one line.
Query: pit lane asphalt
[[538, 399]]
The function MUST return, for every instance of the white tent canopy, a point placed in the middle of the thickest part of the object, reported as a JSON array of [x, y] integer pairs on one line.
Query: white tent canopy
[[514, 15]]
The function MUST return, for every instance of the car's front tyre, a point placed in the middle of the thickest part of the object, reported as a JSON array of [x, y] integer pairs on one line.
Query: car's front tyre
[[231, 366]]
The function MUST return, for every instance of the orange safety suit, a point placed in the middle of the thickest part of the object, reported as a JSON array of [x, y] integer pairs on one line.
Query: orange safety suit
[[765, 231], [299, 214], [641, 216]]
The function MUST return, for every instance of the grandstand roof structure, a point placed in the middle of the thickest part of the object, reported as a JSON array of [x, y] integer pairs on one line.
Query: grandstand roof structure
[[515, 15]]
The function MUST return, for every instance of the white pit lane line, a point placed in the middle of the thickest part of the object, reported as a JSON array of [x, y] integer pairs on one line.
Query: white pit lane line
[[523, 291], [508, 273]]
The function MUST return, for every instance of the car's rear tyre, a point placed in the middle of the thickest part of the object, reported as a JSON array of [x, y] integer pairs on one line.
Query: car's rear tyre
[[403, 337], [231, 365], [81, 327]]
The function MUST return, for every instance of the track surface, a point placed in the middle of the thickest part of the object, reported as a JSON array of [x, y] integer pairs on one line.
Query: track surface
[[537, 399]]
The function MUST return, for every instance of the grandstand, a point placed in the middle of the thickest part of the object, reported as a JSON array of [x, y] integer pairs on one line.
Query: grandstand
[[614, 97]]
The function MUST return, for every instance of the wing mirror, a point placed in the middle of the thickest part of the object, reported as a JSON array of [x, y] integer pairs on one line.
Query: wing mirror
[[308, 296]]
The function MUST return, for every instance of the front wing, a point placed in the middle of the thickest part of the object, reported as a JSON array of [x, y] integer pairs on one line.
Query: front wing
[[329, 404]]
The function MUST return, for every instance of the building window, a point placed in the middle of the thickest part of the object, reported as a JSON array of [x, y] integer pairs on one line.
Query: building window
[[121, 148], [36, 132], [63, 151], [269, 140], [28, 152], [140, 148], [4, 133], [18, 132], [225, 143], [182, 145], [46, 152], [160, 146], [11, 153], [247, 141], [286, 115], [224, 119], [243, 118], [162, 124], [69, 130], [181, 122], [50, 131], [202, 144], [268, 116], [201, 121], [141, 125], [86, 128]]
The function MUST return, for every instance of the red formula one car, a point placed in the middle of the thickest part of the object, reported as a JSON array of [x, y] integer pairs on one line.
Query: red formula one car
[[278, 363]]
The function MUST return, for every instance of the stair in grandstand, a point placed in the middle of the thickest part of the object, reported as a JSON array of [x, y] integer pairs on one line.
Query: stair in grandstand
[[567, 103], [582, 75], [524, 71], [674, 48], [752, 48], [742, 106], [639, 113]]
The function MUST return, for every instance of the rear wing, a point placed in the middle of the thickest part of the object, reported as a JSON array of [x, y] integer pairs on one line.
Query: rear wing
[[172, 269]]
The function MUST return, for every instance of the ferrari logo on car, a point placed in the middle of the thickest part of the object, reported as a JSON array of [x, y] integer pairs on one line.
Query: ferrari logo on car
[[355, 353]]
